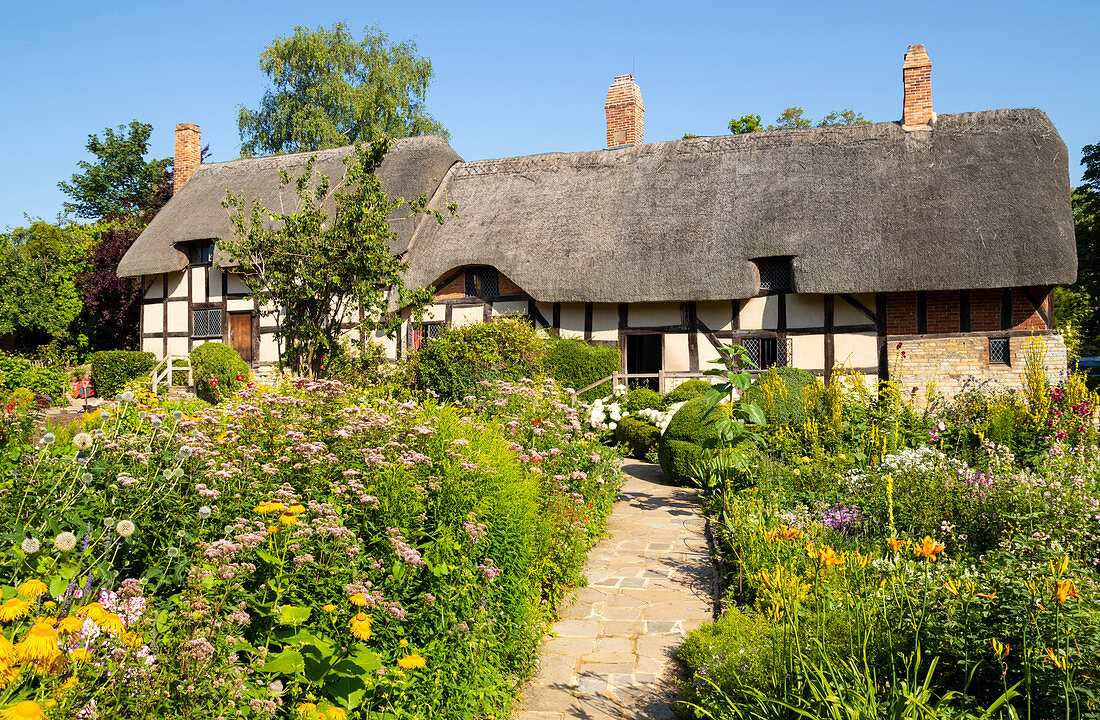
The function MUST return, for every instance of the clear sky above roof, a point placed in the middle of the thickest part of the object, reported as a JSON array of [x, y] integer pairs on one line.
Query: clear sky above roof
[[523, 78]]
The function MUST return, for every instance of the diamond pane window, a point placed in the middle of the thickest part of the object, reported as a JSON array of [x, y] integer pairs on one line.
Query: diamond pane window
[[207, 323], [426, 332], [752, 348], [775, 274], [998, 351], [768, 352], [482, 282]]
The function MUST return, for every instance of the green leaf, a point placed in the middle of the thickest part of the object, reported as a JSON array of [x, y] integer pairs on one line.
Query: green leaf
[[293, 614], [287, 662], [754, 413], [58, 585], [268, 557], [714, 396]]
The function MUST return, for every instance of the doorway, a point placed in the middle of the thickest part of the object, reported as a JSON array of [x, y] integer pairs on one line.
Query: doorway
[[643, 355], [240, 334]]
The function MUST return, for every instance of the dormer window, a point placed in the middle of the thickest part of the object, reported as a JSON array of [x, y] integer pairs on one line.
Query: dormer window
[[775, 274], [482, 283], [200, 253]]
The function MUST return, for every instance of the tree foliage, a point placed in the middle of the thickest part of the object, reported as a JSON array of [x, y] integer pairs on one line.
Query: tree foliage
[[39, 300], [1075, 307], [120, 181], [329, 91], [319, 270], [794, 118]]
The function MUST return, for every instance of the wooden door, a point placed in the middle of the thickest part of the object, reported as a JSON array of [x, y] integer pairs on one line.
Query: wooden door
[[240, 334]]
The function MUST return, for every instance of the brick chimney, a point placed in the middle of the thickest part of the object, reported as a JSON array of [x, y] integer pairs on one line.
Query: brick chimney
[[917, 76], [625, 113], [188, 154]]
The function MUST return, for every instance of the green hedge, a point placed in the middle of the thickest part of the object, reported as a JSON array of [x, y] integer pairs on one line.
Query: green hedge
[[638, 435], [686, 391], [574, 364], [218, 371], [453, 364], [682, 443], [19, 372], [112, 369], [642, 398]]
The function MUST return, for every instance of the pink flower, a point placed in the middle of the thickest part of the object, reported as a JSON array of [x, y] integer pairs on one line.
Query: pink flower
[[213, 381], [240, 377]]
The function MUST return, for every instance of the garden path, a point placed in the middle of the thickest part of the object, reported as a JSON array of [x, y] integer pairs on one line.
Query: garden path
[[612, 653]]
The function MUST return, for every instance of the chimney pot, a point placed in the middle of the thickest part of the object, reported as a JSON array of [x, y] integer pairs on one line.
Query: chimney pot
[[625, 113], [916, 74], [188, 154]]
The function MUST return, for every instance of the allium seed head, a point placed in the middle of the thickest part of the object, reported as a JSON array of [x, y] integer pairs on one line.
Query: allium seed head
[[49, 439], [30, 546], [204, 512], [82, 441], [127, 397], [125, 528], [64, 542]]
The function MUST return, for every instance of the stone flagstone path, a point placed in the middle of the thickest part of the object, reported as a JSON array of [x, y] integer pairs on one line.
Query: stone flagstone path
[[611, 655]]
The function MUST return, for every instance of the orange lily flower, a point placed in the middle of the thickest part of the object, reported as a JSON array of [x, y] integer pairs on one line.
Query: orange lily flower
[[896, 545], [784, 533], [1064, 590], [929, 548], [828, 557]]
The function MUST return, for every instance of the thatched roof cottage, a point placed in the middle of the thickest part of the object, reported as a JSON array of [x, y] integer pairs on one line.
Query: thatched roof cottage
[[814, 248]]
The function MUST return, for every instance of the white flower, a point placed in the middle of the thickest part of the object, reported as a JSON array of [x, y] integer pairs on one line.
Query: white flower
[[108, 522], [125, 528], [85, 478], [177, 415], [64, 542], [106, 414], [49, 439], [156, 422], [82, 441], [173, 552], [127, 397], [184, 451], [204, 511], [142, 414], [30, 546]]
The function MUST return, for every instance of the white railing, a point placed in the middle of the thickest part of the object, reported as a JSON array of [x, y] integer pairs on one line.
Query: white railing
[[162, 373]]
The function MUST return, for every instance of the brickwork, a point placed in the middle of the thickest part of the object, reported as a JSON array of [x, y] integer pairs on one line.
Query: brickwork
[[625, 113], [917, 76], [901, 313], [1024, 314], [453, 289], [985, 310], [951, 361], [509, 288], [942, 309], [188, 154]]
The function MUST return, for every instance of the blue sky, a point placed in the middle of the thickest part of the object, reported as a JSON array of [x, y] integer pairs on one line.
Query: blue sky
[[523, 78]]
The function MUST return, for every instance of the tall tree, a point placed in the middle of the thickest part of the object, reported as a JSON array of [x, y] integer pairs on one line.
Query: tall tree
[[329, 90], [1076, 311], [319, 270], [120, 181], [794, 118]]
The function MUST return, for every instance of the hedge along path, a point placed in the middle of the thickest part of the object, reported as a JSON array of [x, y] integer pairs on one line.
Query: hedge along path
[[612, 653]]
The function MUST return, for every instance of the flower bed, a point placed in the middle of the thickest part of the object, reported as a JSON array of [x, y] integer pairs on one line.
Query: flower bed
[[309, 551]]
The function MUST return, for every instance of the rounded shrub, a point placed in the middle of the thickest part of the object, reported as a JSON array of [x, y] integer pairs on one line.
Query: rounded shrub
[[642, 398], [575, 364], [219, 371], [781, 392], [686, 391], [19, 372], [454, 363], [682, 444], [637, 434], [112, 369]]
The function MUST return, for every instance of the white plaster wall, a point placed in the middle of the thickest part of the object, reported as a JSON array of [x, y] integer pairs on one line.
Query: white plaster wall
[[715, 315], [238, 304], [856, 349], [845, 314], [707, 352], [154, 319], [510, 307], [547, 310], [760, 313], [808, 351], [572, 320], [605, 322], [676, 352], [177, 346], [153, 345], [642, 315], [435, 313], [269, 349], [155, 286], [235, 285], [198, 285], [389, 345], [461, 316], [215, 276], [177, 316], [805, 311], [177, 284]]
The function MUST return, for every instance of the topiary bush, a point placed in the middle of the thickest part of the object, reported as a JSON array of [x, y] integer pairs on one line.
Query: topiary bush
[[686, 391], [19, 372], [642, 398], [454, 363], [682, 443], [112, 369], [575, 364], [781, 394], [637, 434], [218, 370]]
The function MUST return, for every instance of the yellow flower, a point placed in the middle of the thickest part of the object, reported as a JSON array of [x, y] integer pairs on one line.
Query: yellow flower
[[805, 460], [896, 545], [928, 548], [949, 586], [266, 508], [828, 557], [39, 647], [70, 625], [67, 686], [795, 472], [296, 509], [1064, 590], [273, 529], [358, 600], [8, 673], [7, 650], [288, 518], [93, 611], [112, 623], [403, 643], [784, 533], [1054, 569], [26, 710], [133, 639], [307, 709], [840, 456], [410, 662], [329, 608], [33, 588], [14, 609], [360, 626], [335, 713], [1001, 650], [80, 655]]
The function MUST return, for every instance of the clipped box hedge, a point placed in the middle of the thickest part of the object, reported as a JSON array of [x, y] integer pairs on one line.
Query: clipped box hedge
[[112, 369]]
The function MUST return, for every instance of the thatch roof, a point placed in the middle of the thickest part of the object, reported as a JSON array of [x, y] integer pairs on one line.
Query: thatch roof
[[412, 167], [980, 201]]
